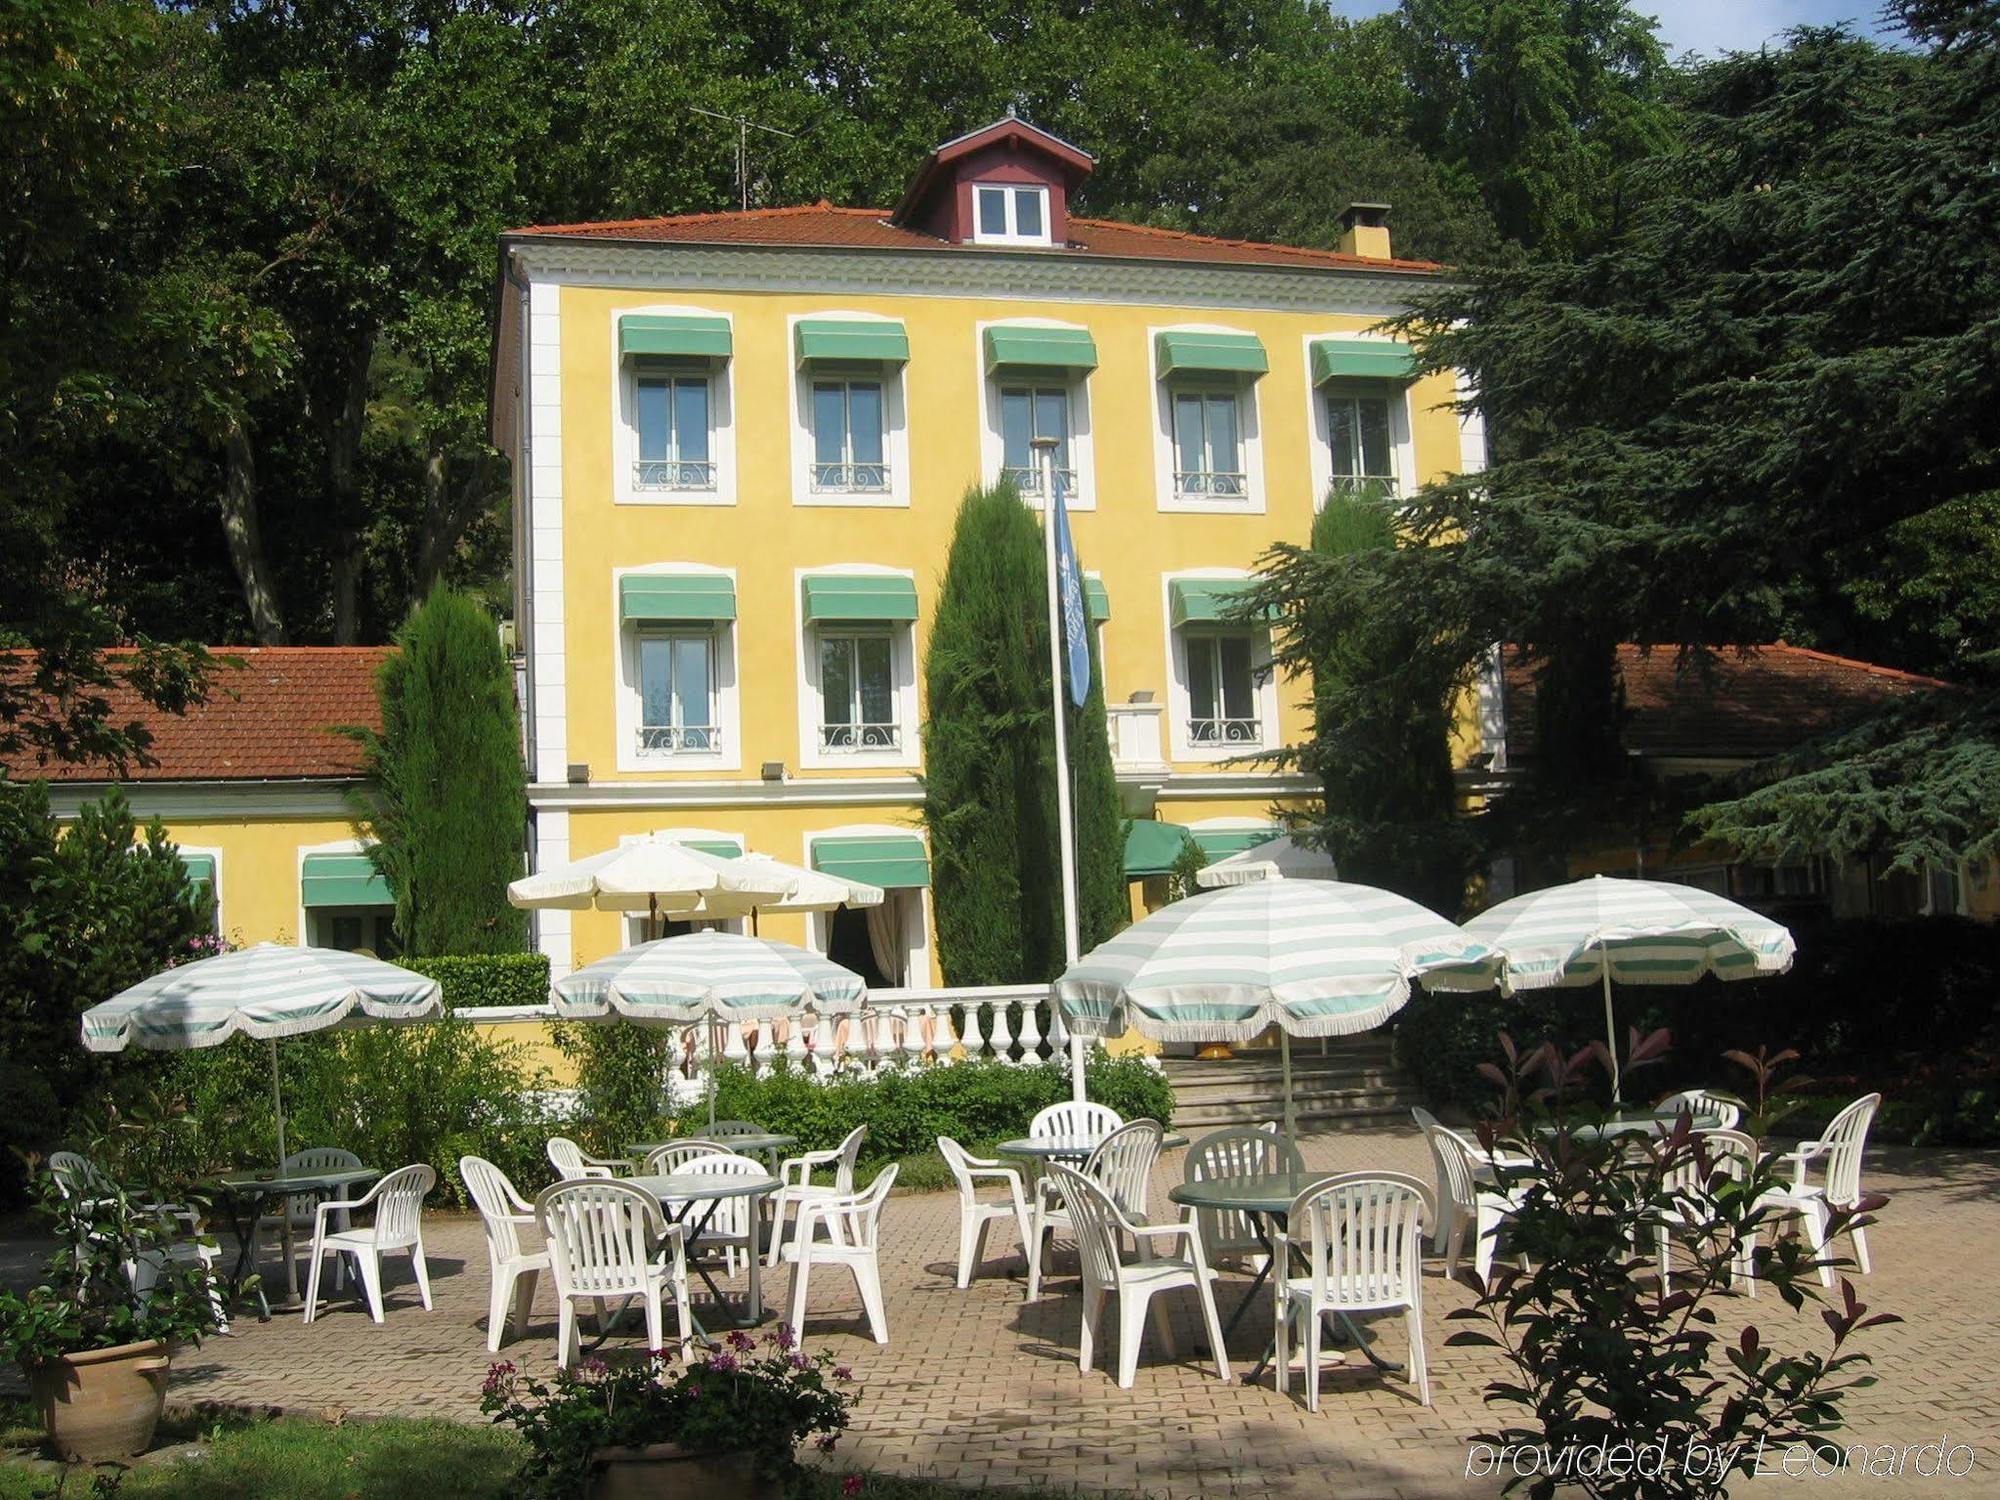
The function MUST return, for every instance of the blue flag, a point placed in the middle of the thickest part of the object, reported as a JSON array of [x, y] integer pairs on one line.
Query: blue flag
[[1069, 592]]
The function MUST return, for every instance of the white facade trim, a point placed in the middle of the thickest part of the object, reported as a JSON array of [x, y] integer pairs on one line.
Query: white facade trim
[[1402, 435], [207, 801], [1190, 786], [1249, 433], [547, 647], [628, 701], [895, 421], [553, 929], [819, 791], [902, 666], [625, 424], [992, 442], [1264, 680]]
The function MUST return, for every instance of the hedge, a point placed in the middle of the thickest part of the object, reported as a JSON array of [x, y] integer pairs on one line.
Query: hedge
[[488, 978]]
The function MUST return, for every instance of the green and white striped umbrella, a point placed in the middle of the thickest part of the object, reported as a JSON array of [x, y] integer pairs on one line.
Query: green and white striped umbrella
[[1634, 931], [702, 976]]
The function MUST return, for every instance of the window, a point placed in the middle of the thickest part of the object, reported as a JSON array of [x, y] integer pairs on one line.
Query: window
[[673, 414], [677, 694], [1358, 433], [1027, 413], [1208, 445], [354, 929], [1010, 215], [858, 692], [1222, 690], [848, 432]]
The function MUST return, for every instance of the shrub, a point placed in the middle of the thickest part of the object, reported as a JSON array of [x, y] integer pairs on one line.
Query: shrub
[[483, 979], [621, 1082]]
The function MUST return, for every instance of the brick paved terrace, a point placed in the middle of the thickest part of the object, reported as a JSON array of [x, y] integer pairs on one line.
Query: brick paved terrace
[[980, 1387]]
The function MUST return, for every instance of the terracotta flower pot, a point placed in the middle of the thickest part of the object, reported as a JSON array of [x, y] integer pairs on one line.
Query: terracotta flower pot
[[659, 1470], [102, 1403]]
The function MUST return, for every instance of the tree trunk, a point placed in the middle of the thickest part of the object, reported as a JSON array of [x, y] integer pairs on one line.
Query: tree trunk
[[342, 433], [246, 543], [448, 510]]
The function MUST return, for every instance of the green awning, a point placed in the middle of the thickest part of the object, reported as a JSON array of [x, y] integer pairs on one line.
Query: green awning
[[860, 596], [1361, 359], [1042, 348], [1220, 843], [720, 848], [852, 341], [676, 596], [676, 338], [344, 880], [1096, 600], [1211, 354], [890, 860], [200, 869], [1151, 848], [1205, 601]]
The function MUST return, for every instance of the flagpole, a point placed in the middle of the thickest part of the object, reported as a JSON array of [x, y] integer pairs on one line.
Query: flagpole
[[1065, 818]]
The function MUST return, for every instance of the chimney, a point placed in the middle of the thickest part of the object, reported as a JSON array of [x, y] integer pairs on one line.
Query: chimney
[[1364, 230]]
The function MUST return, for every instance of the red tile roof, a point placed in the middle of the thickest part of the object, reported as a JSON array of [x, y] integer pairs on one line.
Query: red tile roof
[[1761, 700], [273, 718], [822, 226]]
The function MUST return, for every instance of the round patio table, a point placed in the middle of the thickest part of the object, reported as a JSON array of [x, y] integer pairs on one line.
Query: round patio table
[[244, 1196], [680, 1193], [765, 1143], [1267, 1197]]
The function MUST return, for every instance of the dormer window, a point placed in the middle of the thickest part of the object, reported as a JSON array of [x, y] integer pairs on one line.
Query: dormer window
[[1004, 214]]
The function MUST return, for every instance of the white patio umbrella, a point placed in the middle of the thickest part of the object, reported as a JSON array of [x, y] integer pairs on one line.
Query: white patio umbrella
[[651, 875], [1636, 931], [810, 890], [1312, 957], [708, 977], [269, 992], [1281, 858]]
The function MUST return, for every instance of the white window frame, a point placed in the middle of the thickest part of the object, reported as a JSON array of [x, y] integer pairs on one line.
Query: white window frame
[[628, 702], [1249, 435], [992, 438], [895, 423], [214, 854], [813, 755], [856, 632], [917, 913], [669, 747], [1264, 680], [625, 419], [1402, 444], [1011, 192]]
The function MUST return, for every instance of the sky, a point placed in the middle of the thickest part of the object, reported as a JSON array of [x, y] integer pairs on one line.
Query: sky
[[1712, 26]]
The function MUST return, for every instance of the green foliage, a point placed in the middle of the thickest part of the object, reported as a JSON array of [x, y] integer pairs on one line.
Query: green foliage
[[1182, 881], [621, 1082], [762, 1398], [448, 804], [989, 759], [91, 910], [487, 979]]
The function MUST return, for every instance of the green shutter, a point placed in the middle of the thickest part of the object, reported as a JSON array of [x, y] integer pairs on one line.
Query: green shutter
[[1206, 601], [676, 338], [860, 596], [1096, 600], [890, 860], [1220, 843], [200, 869], [344, 880], [676, 596], [1211, 354], [851, 341], [1041, 348], [1362, 359], [1151, 848], [720, 848]]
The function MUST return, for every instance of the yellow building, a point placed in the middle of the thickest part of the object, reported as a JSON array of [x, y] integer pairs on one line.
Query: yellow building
[[739, 441]]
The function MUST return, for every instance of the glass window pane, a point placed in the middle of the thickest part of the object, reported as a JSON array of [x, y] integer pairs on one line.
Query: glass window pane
[[1340, 435], [992, 210], [829, 422], [656, 419], [656, 680], [1222, 435], [836, 678], [1237, 699], [1374, 424], [691, 419], [1052, 420], [1028, 212], [691, 680], [1187, 433], [864, 418], [872, 668], [1201, 677], [1016, 427]]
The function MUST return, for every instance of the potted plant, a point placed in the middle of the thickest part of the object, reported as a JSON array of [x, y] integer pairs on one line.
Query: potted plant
[[726, 1426], [120, 1293]]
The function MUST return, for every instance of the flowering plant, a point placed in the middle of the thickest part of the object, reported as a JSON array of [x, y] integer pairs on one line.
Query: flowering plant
[[763, 1398]]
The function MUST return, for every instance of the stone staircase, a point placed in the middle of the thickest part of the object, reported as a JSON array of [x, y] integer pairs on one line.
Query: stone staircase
[[1354, 1085]]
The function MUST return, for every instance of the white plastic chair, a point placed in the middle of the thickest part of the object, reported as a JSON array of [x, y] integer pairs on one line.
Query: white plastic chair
[[852, 1223], [1122, 1163], [674, 1155], [732, 1228], [1073, 1121], [515, 1269], [799, 1189], [1841, 1144], [1229, 1234], [572, 1162], [1724, 1109], [1362, 1235], [1687, 1183], [298, 1208], [78, 1178], [398, 1202], [975, 1215], [1100, 1231], [609, 1239], [723, 1130], [1467, 1195]]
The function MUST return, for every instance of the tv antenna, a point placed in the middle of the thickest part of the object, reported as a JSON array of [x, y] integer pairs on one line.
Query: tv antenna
[[744, 125]]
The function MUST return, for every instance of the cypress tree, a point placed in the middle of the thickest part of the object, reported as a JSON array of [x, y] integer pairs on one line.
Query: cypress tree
[[989, 756], [448, 808]]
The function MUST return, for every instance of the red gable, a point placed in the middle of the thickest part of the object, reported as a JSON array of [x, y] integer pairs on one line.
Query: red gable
[[1011, 151]]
